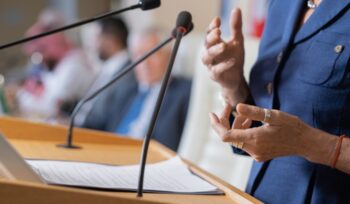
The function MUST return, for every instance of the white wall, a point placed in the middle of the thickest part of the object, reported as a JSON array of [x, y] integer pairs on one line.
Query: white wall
[[165, 16]]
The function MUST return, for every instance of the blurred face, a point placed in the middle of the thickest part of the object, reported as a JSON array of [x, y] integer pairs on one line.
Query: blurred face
[[104, 46], [52, 48], [151, 71], [107, 46]]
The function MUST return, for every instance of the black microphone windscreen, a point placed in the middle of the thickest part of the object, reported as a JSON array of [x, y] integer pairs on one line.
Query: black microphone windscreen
[[149, 4], [174, 32], [184, 19], [190, 28]]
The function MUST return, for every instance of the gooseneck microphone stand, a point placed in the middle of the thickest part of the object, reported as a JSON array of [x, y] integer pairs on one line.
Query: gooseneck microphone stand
[[142, 4], [180, 33]]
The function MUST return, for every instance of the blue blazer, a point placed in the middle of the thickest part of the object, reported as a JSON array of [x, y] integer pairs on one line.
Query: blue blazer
[[304, 72], [113, 106]]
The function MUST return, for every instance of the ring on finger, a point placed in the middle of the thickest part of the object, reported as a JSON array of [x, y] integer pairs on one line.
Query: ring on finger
[[267, 115], [238, 145]]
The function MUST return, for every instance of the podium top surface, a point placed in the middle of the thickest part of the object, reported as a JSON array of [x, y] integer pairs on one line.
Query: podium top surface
[[38, 141]]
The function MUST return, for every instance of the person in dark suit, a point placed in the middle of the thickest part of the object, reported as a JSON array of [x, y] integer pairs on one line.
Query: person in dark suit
[[128, 110], [302, 146], [112, 44]]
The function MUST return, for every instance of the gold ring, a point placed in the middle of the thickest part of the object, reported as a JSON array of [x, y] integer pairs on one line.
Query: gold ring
[[238, 145], [267, 115]]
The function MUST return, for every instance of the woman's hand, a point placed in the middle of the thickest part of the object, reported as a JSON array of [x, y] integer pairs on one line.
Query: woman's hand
[[281, 135], [225, 60]]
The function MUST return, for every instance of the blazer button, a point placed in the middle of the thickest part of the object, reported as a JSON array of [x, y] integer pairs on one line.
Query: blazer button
[[338, 49], [279, 57], [269, 88]]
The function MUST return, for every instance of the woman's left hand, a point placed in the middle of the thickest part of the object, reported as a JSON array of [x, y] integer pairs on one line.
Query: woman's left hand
[[281, 135]]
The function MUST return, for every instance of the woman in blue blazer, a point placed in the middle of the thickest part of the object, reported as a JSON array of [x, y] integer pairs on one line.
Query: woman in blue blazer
[[299, 90]]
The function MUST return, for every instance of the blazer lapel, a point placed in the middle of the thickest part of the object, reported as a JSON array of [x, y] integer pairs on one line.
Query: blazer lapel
[[296, 7], [327, 11]]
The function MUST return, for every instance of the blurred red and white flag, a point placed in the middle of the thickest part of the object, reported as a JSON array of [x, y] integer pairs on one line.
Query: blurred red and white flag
[[257, 17]]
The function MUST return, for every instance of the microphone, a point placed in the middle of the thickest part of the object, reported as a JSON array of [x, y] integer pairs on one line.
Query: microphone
[[123, 72], [183, 25], [142, 4], [174, 33], [149, 4]]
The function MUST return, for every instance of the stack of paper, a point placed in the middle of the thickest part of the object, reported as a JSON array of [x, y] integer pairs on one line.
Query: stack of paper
[[171, 176]]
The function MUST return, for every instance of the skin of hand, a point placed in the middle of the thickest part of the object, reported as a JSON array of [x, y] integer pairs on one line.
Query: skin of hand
[[225, 60], [282, 135]]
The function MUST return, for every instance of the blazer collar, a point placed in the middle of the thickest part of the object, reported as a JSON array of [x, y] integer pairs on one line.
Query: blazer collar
[[327, 11], [293, 19]]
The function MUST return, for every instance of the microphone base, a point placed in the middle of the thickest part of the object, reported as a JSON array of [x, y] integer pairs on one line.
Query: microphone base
[[68, 146]]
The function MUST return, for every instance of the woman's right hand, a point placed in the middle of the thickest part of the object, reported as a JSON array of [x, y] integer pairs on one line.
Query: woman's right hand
[[225, 60]]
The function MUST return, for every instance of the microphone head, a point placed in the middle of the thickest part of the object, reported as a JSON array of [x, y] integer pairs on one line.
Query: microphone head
[[184, 20], [190, 28], [174, 32], [149, 4]]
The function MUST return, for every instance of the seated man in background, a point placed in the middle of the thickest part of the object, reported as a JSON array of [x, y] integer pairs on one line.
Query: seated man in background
[[67, 75], [112, 43], [128, 110]]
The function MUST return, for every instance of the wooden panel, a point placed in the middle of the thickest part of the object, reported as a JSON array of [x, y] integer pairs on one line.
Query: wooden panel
[[34, 140], [39, 194]]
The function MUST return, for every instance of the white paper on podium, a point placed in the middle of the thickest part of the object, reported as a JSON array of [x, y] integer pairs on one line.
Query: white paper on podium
[[170, 176]]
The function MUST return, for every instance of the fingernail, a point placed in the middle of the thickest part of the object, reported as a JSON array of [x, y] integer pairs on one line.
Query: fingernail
[[235, 10]]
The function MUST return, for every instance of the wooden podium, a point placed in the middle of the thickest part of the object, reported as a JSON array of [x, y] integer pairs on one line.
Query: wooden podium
[[37, 140]]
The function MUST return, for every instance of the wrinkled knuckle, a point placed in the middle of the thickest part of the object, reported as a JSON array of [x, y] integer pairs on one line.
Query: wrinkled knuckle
[[212, 124], [217, 31], [214, 75], [223, 47], [277, 114], [257, 151], [207, 40], [255, 140], [226, 137], [205, 59]]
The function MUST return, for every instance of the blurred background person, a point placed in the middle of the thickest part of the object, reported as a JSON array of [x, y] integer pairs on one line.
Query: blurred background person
[[61, 76], [112, 43], [128, 110], [3, 101]]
